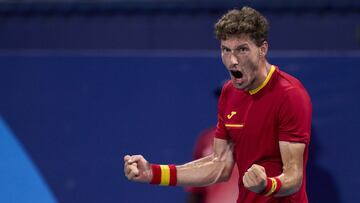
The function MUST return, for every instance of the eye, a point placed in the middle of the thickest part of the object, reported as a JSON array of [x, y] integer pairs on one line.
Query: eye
[[226, 50], [242, 49]]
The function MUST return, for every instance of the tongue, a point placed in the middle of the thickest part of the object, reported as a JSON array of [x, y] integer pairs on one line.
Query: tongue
[[237, 74]]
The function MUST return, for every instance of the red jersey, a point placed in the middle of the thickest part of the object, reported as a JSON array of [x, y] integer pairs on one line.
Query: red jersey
[[278, 110], [225, 192]]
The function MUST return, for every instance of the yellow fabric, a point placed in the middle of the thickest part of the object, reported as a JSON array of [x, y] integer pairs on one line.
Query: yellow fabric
[[229, 116], [273, 186], [165, 175], [234, 125], [263, 84]]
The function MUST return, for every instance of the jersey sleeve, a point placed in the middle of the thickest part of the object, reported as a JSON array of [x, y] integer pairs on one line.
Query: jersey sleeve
[[221, 131], [295, 117]]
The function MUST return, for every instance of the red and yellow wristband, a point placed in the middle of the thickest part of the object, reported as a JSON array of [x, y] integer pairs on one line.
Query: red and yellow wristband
[[163, 175], [273, 186]]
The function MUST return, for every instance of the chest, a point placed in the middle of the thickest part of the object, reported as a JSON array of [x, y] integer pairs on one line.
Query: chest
[[250, 119]]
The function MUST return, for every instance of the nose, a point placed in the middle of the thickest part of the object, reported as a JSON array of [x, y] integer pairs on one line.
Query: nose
[[233, 59]]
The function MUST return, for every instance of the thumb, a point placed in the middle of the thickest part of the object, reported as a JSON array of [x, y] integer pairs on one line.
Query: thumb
[[126, 158]]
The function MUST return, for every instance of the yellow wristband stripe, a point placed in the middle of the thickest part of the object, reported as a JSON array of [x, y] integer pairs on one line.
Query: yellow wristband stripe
[[273, 186], [165, 175]]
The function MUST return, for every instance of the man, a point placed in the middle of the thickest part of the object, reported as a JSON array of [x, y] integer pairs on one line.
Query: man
[[264, 119]]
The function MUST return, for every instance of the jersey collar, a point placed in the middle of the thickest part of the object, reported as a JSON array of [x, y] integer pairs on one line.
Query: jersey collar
[[263, 84]]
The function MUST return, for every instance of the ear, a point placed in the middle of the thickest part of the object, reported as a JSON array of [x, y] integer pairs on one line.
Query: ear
[[264, 48]]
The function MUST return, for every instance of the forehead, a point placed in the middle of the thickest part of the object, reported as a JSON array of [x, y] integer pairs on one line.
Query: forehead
[[235, 41]]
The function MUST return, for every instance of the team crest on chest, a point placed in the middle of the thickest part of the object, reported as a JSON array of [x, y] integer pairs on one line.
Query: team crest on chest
[[233, 125]]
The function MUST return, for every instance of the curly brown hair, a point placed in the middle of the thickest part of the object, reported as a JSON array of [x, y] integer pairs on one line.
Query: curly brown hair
[[244, 21]]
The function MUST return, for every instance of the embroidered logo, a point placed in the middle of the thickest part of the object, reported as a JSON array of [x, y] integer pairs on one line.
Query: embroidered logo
[[229, 116]]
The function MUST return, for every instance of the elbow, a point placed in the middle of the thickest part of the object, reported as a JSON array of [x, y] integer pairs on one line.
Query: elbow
[[224, 177], [297, 184], [294, 185], [225, 173], [224, 164], [290, 185]]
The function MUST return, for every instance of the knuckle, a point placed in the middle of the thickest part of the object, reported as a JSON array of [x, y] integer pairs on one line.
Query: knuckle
[[131, 175]]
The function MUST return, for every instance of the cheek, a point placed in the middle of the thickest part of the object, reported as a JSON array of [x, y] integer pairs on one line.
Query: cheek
[[249, 68], [244, 59], [225, 61]]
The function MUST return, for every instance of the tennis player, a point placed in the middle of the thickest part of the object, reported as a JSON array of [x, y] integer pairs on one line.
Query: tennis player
[[264, 123]]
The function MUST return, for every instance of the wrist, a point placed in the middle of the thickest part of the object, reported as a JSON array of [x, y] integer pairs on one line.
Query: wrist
[[163, 175], [273, 186]]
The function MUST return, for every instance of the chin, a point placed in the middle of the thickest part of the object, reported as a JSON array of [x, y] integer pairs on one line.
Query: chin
[[237, 86]]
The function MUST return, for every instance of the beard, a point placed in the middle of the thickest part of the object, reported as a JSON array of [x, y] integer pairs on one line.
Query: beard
[[250, 69]]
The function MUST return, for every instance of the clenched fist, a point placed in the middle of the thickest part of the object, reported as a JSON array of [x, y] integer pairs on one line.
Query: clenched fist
[[136, 168], [255, 178]]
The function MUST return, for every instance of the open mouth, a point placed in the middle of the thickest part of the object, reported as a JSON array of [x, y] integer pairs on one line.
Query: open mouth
[[236, 74]]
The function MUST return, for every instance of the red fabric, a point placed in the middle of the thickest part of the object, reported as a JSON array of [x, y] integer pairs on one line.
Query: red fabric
[[156, 172], [278, 185], [268, 186], [173, 176], [281, 111]]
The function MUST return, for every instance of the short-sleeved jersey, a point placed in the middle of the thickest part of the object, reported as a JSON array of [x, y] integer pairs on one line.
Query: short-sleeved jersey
[[278, 110]]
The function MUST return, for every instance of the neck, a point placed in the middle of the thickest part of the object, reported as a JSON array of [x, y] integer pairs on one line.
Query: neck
[[263, 71]]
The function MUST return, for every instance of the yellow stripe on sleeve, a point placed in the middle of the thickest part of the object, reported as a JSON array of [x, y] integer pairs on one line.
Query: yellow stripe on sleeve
[[165, 175]]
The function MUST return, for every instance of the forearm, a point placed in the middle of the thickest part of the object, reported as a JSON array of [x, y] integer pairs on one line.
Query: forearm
[[205, 171], [291, 183], [292, 157]]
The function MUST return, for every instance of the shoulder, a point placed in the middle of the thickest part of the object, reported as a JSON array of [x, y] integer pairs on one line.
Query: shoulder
[[289, 86], [291, 93], [225, 90], [227, 86]]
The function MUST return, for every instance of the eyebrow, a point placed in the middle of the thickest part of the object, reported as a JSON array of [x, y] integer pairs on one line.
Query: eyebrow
[[240, 46]]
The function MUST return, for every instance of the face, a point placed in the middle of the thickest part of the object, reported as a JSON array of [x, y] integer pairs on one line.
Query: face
[[242, 58]]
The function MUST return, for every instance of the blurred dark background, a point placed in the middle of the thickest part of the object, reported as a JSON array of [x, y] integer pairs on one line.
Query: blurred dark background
[[172, 24], [82, 83]]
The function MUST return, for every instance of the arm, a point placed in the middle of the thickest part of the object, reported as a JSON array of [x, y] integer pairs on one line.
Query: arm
[[211, 169], [292, 153], [205, 171], [292, 157]]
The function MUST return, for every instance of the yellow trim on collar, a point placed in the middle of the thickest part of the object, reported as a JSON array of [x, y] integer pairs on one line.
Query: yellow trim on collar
[[263, 84]]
